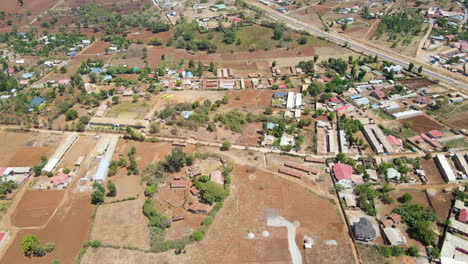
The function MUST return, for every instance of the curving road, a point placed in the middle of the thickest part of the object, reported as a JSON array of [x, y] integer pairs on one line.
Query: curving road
[[352, 44]]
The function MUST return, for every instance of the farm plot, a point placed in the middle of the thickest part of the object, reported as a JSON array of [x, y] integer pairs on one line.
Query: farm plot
[[227, 242], [422, 123], [250, 99], [36, 207], [122, 224], [416, 84], [67, 229], [130, 110], [459, 121]]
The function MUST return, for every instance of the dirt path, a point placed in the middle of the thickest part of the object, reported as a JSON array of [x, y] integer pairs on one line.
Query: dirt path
[[423, 40], [279, 221]]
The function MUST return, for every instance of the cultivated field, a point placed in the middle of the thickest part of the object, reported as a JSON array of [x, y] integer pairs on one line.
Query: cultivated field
[[422, 123], [67, 229], [36, 208], [130, 110]]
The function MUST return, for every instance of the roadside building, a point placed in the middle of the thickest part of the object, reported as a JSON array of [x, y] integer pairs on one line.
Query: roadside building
[[454, 250], [314, 160], [342, 173], [460, 162], [291, 172], [118, 122], [444, 168], [377, 139]]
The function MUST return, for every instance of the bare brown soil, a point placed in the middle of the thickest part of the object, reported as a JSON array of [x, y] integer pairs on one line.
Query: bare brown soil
[[432, 172], [459, 121], [441, 202], [251, 135], [36, 207], [67, 229], [423, 123], [417, 83]]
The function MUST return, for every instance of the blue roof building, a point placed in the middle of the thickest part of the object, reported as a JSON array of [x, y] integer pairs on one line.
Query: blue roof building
[[36, 101], [270, 125], [186, 114], [362, 101], [27, 75], [280, 94], [107, 77], [355, 96]]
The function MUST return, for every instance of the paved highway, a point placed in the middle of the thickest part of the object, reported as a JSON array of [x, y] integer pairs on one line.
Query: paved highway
[[353, 44]]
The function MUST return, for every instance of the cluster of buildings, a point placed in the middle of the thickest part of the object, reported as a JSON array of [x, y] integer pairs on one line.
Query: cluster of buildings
[[453, 169], [15, 174], [455, 244]]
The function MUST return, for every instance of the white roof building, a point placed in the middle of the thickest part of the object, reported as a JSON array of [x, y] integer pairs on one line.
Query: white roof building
[[445, 168], [290, 100]]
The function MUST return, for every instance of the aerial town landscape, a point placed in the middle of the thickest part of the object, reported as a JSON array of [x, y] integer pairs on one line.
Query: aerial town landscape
[[233, 131]]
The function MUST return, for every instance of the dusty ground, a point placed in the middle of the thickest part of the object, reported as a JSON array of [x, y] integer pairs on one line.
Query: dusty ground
[[226, 241], [36, 208], [25, 149], [432, 172], [82, 146], [441, 202], [122, 224]]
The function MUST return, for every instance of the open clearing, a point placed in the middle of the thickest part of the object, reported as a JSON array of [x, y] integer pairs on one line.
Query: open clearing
[[122, 224], [227, 242], [130, 110], [25, 149], [36, 208], [433, 175]]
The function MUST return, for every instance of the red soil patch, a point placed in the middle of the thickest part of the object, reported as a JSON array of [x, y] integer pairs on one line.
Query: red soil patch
[[251, 135], [36, 207], [29, 156], [250, 99], [68, 230]]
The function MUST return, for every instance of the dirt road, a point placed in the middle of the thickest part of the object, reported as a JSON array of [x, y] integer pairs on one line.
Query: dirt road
[[293, 249]]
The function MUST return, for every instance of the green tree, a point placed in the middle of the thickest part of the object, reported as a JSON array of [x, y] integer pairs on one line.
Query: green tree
[[268, 111], [410, 66], [111, 189], [420, 69], [413, 251], [71, 114], [406, 198], [31, 246]]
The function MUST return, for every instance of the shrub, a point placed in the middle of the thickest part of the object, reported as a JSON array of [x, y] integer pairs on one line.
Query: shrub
[[150, 190], [207, 221], [226, 146], [66, 171]]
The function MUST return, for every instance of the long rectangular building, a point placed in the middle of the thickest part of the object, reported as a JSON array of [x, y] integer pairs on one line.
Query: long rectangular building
[[377, 139], [118, 122], [444, 168], [301, 167], [460, 161], [291, 172]]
